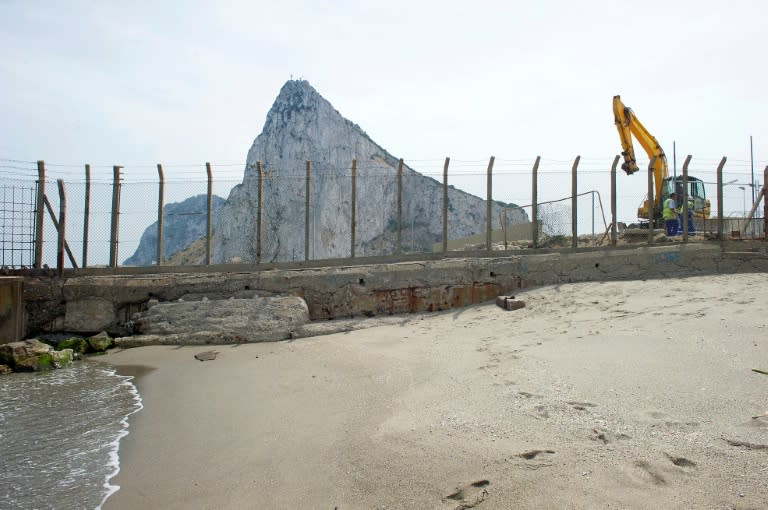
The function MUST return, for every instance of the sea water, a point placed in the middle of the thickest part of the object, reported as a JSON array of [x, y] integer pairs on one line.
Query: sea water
[[59, 435]]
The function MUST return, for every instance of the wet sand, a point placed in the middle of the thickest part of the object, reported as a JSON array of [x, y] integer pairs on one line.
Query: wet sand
[[595, 395]]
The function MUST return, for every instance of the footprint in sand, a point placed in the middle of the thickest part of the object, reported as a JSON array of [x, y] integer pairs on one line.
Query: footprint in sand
[[605, 437], [468, 496], [532, 454], [600, 435], [581, 406], [649, 472], [644, 472], [680, 461]]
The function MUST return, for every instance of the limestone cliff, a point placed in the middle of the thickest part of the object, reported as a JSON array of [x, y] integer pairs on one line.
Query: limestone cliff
[[183, 223], [301, 126]]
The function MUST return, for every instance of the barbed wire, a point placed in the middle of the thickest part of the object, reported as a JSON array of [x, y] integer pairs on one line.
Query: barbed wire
[[452, 177], [458, 168], [18, 161], [462, 162]]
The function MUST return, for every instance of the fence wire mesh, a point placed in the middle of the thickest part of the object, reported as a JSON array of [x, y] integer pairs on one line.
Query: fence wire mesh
[[292, 232], [17, 223]]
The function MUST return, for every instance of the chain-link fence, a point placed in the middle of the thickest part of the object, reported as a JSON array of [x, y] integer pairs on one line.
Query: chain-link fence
[[318, 211]]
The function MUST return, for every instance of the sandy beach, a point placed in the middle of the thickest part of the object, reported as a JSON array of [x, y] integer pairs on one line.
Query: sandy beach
[[636, 394]]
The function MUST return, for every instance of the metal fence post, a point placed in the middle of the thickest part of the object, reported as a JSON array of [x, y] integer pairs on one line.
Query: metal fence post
[[40, 217], [489, 205], [55, 222], [686, 226], [114, 237], [354, 208], [534, 203], [400, 207], [760, 195], [160, 205], [209, 220], [765, 203], [574, 204], [720, 236], [86, 214], [306, 213], [61, 228], [258, 212], [614, 219], [592, 193], [445, 204], [651, 208]]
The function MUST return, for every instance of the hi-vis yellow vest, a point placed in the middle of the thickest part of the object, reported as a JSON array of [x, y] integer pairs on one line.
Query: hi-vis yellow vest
[[669, 213]]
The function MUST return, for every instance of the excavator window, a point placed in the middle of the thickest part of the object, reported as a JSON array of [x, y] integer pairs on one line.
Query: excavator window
[[696, 189]]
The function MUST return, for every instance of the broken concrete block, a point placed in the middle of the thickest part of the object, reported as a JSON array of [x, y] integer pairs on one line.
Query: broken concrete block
[[509, 303]]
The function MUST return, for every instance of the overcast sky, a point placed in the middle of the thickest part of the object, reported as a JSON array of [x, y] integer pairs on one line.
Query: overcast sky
[[184, 82]]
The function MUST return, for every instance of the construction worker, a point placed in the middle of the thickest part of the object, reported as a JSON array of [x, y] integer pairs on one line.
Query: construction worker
[[691, 226], [669, 214]]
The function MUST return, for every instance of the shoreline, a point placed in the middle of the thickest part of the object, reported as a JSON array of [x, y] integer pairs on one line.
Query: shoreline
[[114, 456], [136, 372], [632, 394]]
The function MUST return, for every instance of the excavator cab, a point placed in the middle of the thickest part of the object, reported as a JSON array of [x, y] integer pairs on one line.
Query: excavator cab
[[697, 198]]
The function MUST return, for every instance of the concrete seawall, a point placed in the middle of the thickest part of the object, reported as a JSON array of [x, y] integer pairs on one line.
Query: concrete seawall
[[106, 302]]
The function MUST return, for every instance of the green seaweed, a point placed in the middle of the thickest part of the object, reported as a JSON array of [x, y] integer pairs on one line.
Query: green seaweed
[[77, 344], [45, 361], [6, 359]]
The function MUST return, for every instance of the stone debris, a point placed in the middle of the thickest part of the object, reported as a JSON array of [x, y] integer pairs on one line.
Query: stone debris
[[509, 303], [100, 342], [206, 356], [32, 356], [219, 321]]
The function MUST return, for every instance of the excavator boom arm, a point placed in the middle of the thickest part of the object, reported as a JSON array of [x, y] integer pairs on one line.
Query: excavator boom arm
[[628, 126]]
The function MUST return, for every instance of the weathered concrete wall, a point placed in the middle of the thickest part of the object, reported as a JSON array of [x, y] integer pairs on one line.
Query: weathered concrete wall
[[373, 289], [11, 309]]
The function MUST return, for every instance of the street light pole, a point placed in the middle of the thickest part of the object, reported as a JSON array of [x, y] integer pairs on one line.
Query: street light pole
[[752, 164]]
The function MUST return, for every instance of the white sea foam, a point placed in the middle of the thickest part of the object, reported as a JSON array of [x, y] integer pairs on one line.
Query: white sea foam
[[61, 436], [114, 453]]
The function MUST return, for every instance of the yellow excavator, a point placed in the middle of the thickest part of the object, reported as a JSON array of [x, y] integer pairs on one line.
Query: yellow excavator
[[628, 126]]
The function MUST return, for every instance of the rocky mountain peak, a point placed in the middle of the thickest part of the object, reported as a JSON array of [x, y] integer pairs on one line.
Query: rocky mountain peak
[[303, 126], [297, 94], [296, 97]]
